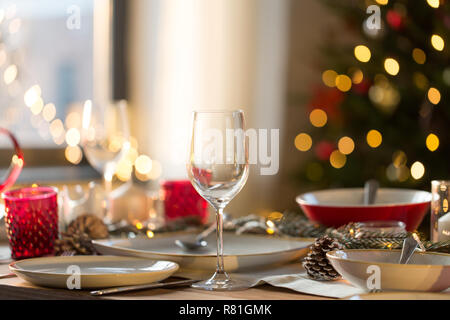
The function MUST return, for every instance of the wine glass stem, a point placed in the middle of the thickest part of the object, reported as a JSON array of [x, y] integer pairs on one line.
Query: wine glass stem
[[219, 221]]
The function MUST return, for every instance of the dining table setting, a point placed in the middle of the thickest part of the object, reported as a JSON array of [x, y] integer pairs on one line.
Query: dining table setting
[[354, 243]]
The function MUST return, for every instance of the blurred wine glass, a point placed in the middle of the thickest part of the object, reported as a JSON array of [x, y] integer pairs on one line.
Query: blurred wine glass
[[105, 138], [218, 170]]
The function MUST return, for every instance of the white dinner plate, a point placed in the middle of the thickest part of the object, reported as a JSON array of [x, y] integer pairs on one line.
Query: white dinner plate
[[241, 251], [94, 271]]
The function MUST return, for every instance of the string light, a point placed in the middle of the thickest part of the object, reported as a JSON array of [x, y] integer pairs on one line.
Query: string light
[[73, 154], [433, 3], [346, 145], [318, 118], [10, 74], [329, 78], [434, 95], [303, 142], [343, 83], [49, 112], [73, 137], [419, 56], [37, 107], [391, 66], [437, 42], [374, 138], [337, 159], [417, 170], [362, 53], [432, 142]]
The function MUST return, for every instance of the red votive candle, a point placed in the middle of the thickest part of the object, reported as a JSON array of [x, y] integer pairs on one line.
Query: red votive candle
[[182, 200], [31, 221]]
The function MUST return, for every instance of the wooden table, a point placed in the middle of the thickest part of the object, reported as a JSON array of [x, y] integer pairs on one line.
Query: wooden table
[[16, 288]]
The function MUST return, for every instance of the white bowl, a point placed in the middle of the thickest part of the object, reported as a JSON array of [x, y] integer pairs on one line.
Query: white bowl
[[424, 272]]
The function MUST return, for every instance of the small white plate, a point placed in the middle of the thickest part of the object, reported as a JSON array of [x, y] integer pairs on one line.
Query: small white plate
[[427, 271], [240, 251], [95, 271]]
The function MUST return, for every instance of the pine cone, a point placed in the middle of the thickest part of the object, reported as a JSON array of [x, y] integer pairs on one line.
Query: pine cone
[[316, 262], [80, 232]]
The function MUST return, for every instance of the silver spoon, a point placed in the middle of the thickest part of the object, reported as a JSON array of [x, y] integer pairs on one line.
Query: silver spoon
[[409, 246], [370, 191], [199, 241]]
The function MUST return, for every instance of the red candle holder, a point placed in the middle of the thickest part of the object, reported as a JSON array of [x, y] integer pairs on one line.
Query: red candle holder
[[31, 221], [182, 200]]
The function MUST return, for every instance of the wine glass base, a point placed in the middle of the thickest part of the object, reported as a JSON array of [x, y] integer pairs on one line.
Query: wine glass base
[[221, 282]]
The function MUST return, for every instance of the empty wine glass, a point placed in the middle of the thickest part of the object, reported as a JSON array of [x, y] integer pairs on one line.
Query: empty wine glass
[[105, 139], [218, 169]]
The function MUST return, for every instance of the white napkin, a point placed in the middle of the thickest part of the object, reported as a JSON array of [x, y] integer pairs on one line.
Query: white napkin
[[291, 276]]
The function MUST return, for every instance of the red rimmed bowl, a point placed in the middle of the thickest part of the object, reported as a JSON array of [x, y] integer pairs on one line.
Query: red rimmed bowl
[[336, 207]]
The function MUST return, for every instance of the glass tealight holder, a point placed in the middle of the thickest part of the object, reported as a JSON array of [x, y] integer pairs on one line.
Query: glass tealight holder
[[440, 215], [31, 221]]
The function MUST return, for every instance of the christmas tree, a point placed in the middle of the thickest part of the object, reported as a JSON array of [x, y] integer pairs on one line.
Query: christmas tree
[[382, 110]]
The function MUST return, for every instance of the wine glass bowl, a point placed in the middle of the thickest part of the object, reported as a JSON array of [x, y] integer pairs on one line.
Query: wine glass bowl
[[218, 169]]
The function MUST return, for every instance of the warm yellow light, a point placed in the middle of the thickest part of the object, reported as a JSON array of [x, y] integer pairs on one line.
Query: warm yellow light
[[32, 95], [391, 66], [433, 3], [37, 107], [73, 154], [139, 226], [49, 112], [434, 95], [73, 137], [56, 128], [362, 53], [420, 80], [374, 138], [150, 234], [303, 142], [417, 170], [382, 2], [419, 56], [343, 82], [399, 159], [143, 164], [437, 42], [10, 74], [73, 120], [432, 142], [318, 118], [275, 215], [337, 159], [329, 78], [124, 170], [357, 76], [346, 145], [115, 143], [156, 171]]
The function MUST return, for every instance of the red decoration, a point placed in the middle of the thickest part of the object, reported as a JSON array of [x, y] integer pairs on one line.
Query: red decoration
[[324, 149], [182, 200], [31, 221], [327, 99], [362, 87], [394, 19]]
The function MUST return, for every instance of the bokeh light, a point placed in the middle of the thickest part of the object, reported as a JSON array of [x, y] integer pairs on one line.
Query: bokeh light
[[56, 128], [346, 145], [73, 137], [32, 95], [434, 95], [337, 159], [399, 159], [329, 78], [343, 82], [374, 138], [318, 118], [432, 142], [10, 74], [73, 154], [37, 107], [433, 3], [417, 170], [124, 170], [49, 112], [357, 76], [391, 66], [437, 42], [303, 142], [362, 53], [419, 56], [73, 120], [143, 164], [382, 2]]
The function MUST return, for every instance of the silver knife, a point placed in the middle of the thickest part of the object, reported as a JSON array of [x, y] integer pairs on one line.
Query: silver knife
[[182, 283]]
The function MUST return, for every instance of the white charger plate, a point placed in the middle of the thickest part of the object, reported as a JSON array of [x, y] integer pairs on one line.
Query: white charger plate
[[95, 271], [241, 251]]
